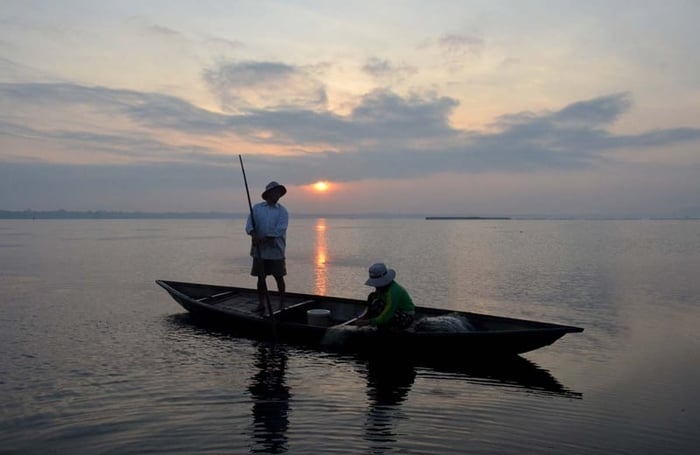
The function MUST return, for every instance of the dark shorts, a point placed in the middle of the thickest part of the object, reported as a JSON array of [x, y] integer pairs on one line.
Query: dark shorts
[[274, 267]]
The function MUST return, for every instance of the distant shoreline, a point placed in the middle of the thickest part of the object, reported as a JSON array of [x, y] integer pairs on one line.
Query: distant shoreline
[[467, 218], [118, 215], [110, 215]]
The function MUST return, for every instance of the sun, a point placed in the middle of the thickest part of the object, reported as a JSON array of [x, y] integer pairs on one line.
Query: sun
[[321, 186]]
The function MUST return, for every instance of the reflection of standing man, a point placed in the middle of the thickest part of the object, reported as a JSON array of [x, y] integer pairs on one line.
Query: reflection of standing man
[[268, 231], [271, 399]]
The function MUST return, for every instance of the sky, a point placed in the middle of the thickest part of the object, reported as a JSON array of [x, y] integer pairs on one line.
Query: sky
[[475, 108]]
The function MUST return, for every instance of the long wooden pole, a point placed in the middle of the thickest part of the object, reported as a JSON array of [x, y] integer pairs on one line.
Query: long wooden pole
[[257, 247]]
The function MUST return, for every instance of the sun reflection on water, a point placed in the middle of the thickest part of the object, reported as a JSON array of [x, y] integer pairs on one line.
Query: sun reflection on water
[[320, 271]]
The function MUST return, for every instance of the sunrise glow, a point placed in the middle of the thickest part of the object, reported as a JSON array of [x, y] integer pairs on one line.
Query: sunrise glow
[[321, 186]]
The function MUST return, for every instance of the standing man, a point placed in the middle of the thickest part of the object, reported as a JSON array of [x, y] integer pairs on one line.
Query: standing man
[[269, 238]]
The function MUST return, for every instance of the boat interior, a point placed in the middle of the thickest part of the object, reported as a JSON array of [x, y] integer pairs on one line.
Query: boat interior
[[329, 311]]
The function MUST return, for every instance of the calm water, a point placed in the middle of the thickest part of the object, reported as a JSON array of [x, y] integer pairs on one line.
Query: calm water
[[95, 358]]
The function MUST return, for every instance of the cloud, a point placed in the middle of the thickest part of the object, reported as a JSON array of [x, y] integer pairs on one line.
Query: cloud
[[384, 70], [457, 49], [150, 186], [165, 32], [658, 138], [385, 136], [242, 86], [135, 147], [12, 70], [598, 111], [456, 45], [223, 45], [379, 116], [585, 114]]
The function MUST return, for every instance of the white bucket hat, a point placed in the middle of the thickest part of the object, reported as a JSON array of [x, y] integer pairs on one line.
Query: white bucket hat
[[379, 275]]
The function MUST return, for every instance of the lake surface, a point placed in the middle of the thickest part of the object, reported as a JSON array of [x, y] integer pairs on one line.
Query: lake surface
[[96, 358]]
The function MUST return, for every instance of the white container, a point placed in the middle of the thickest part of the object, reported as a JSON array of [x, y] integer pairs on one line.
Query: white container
[[319, 317]]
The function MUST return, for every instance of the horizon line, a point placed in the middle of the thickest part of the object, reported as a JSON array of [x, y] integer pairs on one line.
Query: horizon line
[[138, 214]]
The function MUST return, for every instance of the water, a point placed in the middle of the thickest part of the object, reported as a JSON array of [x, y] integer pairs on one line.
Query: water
[[95, 358]]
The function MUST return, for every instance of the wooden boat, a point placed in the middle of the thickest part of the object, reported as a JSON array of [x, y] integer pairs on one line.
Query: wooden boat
[[329, 323]]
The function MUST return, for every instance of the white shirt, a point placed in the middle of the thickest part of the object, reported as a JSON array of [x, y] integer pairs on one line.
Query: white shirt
[[270, 221]]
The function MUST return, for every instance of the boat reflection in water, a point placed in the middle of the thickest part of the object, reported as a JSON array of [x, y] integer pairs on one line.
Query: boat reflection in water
[[513, 372], [510, 372], [390, 380], [270, 397], [388, 383]]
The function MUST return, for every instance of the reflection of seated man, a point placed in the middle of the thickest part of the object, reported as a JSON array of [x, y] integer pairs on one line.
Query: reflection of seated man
[[389, 379], [390, 306]]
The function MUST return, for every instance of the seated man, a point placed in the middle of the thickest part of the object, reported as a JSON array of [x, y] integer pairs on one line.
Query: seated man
[[390, 305]]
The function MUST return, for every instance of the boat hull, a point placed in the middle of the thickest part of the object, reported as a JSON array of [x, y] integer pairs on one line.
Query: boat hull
[[233, 309]]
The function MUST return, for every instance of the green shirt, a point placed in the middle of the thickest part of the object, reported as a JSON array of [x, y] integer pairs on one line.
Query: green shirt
[[395, 299]]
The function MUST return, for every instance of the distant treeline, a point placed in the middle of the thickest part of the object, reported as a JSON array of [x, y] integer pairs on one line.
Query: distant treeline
[[111, 215]]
